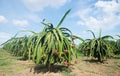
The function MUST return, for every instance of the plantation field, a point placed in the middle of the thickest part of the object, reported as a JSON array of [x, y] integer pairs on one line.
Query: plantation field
[[16, 66]]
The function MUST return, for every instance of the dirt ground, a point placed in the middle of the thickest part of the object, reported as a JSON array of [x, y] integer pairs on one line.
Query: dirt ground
[[83, 67]]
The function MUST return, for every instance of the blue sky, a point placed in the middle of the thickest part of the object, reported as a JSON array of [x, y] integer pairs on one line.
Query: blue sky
[[16, 15]]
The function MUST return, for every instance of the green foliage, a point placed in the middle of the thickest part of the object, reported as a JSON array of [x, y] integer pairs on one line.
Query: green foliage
[[98, 48], [17, 45], [117, 45], [52, 45]]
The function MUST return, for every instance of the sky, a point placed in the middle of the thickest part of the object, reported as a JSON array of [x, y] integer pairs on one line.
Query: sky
[[16, 15]]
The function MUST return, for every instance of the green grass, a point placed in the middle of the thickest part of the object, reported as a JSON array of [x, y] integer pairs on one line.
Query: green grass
[[69, 74], [8, 62], [5, 61]]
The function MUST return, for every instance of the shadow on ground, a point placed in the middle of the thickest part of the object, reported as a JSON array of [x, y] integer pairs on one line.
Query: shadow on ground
[[96, 61], [91, 61], [22, 59], [54, 68]]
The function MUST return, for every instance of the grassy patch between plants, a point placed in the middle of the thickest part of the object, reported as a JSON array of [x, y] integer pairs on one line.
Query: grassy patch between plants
[[8, 62]]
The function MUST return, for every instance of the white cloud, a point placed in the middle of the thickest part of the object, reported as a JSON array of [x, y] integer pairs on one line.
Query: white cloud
[[104, 15], [108, 7], [37, 5], [22, 23], [2, 19], [4, 37]]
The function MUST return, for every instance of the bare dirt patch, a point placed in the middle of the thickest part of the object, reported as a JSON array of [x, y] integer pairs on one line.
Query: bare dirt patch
[[78, 72], [1, 74]]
